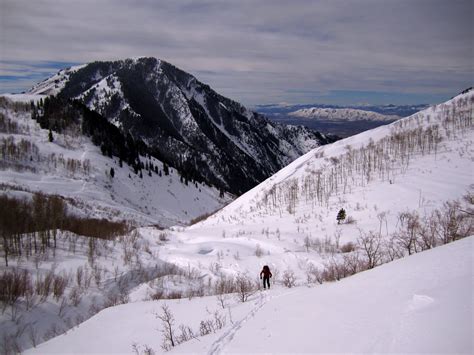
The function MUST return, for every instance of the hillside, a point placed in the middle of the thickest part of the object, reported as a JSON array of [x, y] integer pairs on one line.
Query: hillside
[[75, 168], [415, 304], [406, 188], [188, 125], [414, 168]]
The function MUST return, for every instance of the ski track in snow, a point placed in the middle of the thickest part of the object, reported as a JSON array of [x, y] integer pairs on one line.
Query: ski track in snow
[[218, 346]]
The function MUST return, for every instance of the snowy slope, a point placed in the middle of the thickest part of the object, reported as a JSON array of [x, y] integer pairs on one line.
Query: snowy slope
[[54, 84], [289, 222], [342, 114], [162, 200], [416, 304], [287, 210]]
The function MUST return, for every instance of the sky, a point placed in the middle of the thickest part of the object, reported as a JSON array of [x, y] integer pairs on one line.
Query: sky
[[255, 51]]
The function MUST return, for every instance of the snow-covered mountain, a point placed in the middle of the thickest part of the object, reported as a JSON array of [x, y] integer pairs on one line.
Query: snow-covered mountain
[[187, 124], [342, 114]]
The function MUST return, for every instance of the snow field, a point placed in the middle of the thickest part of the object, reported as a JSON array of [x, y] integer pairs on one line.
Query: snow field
[[415, 304]]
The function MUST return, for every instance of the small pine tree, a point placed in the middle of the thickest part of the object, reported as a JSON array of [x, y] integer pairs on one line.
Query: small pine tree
[[341, 215], [112, 172], [50, 136]]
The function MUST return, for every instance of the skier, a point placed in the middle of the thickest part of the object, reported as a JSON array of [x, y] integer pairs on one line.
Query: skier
[[266, 273]]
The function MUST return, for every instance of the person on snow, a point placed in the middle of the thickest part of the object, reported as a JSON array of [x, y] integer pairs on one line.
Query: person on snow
[[266, 274]]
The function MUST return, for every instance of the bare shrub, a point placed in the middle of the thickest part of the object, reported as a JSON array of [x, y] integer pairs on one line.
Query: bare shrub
[[9, 344], [453, 222], [79, 275], [209, 326], [307, 243], [163, 237], [33, 334], [244, 287], [289, 278], [142, 349], [59, 285], [157, 295], [406, 235], [206, 327], [258, 251], [333, 270], [371, 244], [44, 285], [348, 247], [352, 264], [174, 295], [350, 220], [13, 285], [314, 275], [75, 296], [185, 334], [392, 250]]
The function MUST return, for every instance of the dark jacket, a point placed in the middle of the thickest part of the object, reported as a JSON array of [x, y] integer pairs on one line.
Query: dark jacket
[[265, 272]]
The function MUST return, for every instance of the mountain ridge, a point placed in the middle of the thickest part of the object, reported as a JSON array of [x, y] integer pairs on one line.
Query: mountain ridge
[[205, 135]]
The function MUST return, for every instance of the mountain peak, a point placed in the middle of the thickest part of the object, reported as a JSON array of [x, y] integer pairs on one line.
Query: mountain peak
[[205, 135]]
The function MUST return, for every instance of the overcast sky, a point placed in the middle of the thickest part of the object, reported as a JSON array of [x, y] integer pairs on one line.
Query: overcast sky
[[255, 51]]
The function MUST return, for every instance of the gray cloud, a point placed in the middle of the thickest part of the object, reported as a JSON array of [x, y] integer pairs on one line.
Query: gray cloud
[[259, 51]]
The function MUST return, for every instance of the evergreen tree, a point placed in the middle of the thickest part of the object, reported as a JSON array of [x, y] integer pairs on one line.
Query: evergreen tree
[[341, 215], [112, 172], [50, 136]]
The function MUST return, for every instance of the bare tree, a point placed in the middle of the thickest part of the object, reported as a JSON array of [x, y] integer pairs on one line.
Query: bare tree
[[371, 245], [167, 321]]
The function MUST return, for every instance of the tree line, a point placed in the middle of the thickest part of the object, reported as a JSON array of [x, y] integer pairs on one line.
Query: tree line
[[30, 226]]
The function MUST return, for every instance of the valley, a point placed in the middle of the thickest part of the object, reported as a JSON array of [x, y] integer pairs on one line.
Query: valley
[[406, 188]]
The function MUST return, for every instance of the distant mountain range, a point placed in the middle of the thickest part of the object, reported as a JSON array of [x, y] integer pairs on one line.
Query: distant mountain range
[[396, 110], [342, 114], [204, 135], [337, 120]]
